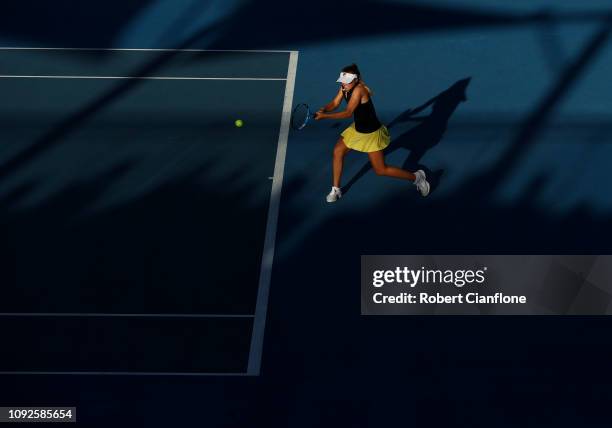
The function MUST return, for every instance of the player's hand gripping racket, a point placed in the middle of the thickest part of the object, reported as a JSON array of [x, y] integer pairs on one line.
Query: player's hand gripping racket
[[301, 116]]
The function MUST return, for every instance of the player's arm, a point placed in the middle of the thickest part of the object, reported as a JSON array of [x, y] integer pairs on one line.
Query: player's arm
[[333, 104], [350, 108]]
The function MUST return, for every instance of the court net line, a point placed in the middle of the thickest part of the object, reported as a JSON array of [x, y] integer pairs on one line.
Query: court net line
[[94, 314], [126, 373], [18, 76], [6, 48]]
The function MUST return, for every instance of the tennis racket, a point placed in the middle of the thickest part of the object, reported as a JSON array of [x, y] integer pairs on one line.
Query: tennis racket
[[301, 116]]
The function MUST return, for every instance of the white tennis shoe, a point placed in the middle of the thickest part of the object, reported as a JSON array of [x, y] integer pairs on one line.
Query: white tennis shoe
[[421, 182], [334, 195]]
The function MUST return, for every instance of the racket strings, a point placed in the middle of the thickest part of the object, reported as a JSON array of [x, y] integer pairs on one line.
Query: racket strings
[[300, 117]]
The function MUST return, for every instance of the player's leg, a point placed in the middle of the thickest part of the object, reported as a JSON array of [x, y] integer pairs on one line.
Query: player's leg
[[340, 151], [377, 159]]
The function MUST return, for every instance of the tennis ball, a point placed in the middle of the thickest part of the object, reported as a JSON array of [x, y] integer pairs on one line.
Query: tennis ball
[[239, 123]]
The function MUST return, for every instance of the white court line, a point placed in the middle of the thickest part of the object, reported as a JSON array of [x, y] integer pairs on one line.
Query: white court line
[[124, 373], [261, 308], [93, 315], [7, 48], [14, 76]]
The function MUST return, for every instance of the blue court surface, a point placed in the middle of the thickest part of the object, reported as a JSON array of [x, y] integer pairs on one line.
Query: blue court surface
[[143, 233]]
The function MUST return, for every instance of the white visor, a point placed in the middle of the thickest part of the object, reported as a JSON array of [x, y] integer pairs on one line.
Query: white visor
[[346, 78]]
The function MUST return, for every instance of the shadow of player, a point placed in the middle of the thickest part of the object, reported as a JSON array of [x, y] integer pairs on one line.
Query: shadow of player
[[426, 135]]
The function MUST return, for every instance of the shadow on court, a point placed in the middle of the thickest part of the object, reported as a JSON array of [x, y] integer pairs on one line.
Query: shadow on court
[[182, 248], [424, 360], [174, 249], [293, 26], [425, 136], [527, 135], [430, 362], [66, 23]]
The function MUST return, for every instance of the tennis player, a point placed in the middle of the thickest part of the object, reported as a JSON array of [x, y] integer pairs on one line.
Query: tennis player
[[366, 134]]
